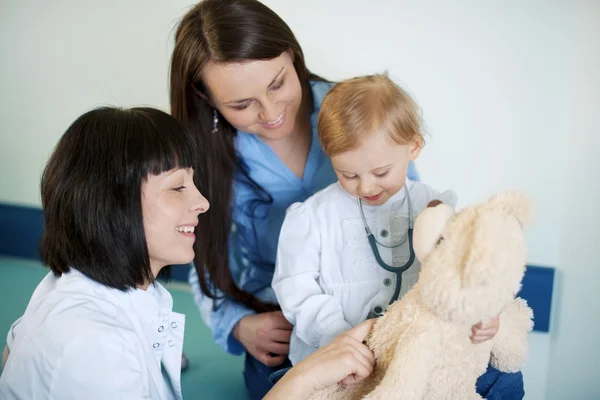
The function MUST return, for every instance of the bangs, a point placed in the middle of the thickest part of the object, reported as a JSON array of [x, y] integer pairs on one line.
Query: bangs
[[160, 143]]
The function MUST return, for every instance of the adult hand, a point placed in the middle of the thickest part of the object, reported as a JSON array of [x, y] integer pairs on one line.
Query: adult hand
[[345, 360], [483, 332], [266, 336]]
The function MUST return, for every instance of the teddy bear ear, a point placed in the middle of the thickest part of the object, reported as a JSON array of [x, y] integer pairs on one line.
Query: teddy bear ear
[[516, 204], [429, 226]]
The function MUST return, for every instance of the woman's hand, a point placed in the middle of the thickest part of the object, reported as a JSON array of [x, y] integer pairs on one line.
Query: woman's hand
[[266, 336], [345, 360], [483, 332]]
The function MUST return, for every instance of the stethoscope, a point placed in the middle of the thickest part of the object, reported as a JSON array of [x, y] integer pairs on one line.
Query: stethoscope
[[373, 242]]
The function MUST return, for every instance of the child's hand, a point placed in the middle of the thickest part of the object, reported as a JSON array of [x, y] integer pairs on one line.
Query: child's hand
[[480, 332]]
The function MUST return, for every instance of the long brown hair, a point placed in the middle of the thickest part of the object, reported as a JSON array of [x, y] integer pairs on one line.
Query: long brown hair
[[223, 31]]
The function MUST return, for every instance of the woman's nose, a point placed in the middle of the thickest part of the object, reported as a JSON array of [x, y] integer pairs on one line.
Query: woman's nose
[[269, 112], [201, 204]]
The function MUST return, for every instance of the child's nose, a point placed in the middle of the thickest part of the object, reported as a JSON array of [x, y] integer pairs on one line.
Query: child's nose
[[365, 187]]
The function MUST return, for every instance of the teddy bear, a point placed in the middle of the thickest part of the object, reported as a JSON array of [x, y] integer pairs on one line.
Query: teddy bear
[[472, 264]]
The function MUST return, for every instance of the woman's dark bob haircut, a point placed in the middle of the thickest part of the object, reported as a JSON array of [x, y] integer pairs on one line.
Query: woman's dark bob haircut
[[91, 192]]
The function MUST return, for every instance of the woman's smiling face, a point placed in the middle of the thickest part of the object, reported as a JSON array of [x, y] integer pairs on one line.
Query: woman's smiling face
[[171, 204], [261, 97]]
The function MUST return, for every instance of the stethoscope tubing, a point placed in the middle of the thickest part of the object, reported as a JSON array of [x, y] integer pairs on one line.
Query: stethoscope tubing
[[373, 242]]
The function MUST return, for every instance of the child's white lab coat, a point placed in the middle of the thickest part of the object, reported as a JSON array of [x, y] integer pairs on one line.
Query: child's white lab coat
[[326, 277], [81, 340]]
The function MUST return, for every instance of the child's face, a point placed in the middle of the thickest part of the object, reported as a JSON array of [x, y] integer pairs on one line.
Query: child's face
[[171, 204], [376, 169]]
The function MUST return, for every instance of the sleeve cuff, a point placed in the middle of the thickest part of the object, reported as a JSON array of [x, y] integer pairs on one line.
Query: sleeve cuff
[[333, 330], [223, 333], [448, 197]]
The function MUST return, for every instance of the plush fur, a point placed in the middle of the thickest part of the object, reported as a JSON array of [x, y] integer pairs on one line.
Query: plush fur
[[472, 266]]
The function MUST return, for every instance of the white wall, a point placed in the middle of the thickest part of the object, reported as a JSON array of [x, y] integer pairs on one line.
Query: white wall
[[508, 90], [61, 58], [575, 353]]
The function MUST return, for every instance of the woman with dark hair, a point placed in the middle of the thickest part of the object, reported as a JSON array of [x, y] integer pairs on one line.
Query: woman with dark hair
[[120, 206], [239, 83]]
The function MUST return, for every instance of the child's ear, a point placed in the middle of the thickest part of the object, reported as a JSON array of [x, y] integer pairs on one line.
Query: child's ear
[[415, 148]]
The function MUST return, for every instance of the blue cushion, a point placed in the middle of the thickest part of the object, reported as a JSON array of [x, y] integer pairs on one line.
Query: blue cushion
[[20, 231], [537, 289]]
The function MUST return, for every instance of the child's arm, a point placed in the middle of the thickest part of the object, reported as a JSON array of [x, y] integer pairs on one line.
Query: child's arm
[[318, 317], [5, 356]]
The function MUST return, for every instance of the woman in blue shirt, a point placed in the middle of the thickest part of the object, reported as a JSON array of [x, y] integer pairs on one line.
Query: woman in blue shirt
[[239, 83]]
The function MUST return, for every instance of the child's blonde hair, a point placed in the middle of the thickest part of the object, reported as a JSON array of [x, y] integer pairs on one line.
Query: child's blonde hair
[[361, 106]]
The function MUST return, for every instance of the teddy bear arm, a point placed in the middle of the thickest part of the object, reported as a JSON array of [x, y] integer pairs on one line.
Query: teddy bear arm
[[335, 392], [509, 350], [408, 372]]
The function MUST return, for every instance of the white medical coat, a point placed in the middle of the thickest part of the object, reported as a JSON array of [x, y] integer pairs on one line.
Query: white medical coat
[[326, 277], [81, 340]]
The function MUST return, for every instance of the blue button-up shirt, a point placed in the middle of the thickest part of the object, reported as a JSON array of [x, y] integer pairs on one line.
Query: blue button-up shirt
[[258, 220]]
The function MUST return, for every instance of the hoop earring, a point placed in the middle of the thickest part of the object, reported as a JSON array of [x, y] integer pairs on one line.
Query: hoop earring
[[215, 128]]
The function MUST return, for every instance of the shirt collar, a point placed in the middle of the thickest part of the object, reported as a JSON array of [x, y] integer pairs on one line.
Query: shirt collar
[[156, 297]]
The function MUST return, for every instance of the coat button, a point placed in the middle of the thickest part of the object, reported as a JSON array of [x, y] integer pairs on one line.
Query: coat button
[[378, 310], [156, 345], [387, 281], [383, 233], [173, 325], [171, 343], [161, 328]]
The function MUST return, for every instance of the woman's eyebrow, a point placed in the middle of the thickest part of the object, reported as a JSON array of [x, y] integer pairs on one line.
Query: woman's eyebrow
[[276, 77]]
